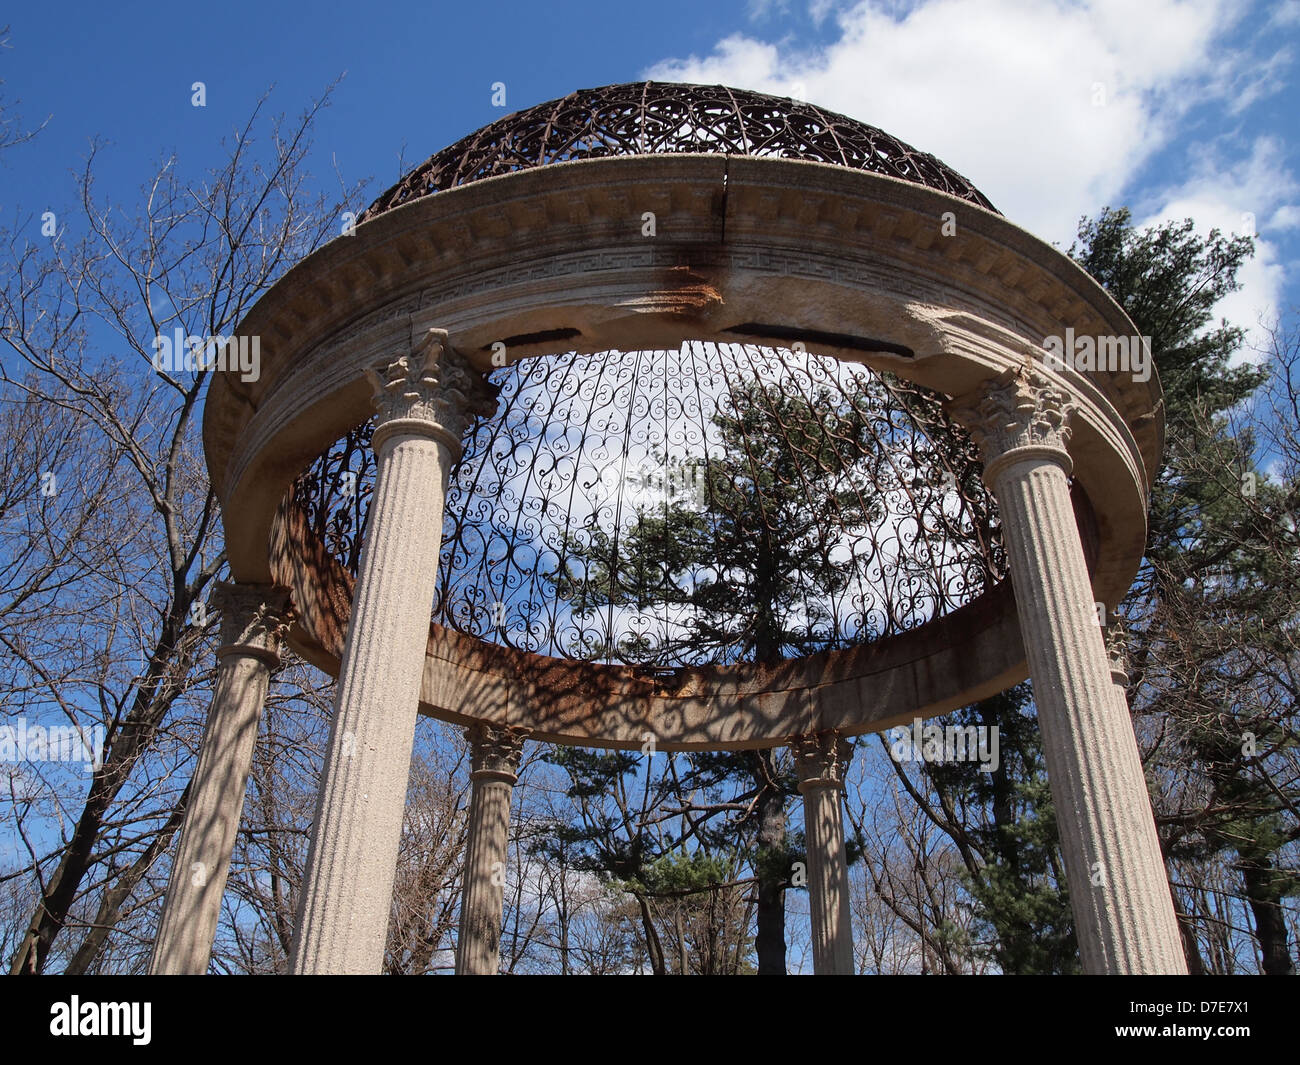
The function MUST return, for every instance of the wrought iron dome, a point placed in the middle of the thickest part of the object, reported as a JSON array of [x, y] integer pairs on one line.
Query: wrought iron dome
[[716, 504], [641, 118]]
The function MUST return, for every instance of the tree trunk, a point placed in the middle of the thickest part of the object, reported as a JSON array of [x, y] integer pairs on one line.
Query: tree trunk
[[1262, 892], [110, 905], [653, 946], [1191, 948], [772, 871]]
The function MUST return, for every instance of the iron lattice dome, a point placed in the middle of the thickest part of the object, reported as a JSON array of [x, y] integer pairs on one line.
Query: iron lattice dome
[[591, 517], [644, 118], [782, 375]]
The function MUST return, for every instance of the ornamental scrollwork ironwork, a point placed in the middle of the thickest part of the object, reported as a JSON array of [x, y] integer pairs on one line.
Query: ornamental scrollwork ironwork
[[708, 505]]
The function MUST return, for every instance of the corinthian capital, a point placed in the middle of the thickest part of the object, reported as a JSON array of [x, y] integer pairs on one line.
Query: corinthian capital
[[495, 751], [254, 619], [821, 759], [1117, 650], [1019, 409], [434, 391]]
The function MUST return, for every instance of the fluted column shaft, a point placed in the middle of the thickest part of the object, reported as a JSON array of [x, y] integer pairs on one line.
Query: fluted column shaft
[[821, 761], [1118, 888], [495, 753], [424, 403], [252, 622]]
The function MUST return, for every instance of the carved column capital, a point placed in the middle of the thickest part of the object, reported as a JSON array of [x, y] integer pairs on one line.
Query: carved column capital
[[432, 392], [821, 760], [254, 619], [1117, 650], [495, 751], [1018, 413]]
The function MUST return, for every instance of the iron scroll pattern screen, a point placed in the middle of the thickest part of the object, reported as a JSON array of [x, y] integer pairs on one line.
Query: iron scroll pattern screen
[[711, 505], [708, 505]]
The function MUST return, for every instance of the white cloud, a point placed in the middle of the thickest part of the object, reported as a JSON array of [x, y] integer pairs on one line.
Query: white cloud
[[1004, 91], [1243, 80], [819, 9], [1285, 217], [1285, 14]]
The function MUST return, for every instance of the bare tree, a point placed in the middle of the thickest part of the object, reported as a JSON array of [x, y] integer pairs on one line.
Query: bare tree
[[105, 624], [911, 902], [12, 131], [426, 895]]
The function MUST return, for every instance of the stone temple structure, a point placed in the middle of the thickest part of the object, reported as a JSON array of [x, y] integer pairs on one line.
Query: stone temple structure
[[439, 376]]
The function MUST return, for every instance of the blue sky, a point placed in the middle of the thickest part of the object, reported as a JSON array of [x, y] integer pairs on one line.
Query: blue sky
[[1054, 108]]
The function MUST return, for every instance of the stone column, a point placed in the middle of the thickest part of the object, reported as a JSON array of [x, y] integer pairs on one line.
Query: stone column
[[495, 752], [253, 620], [424, 404], [821, 760], [1118, 888]]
